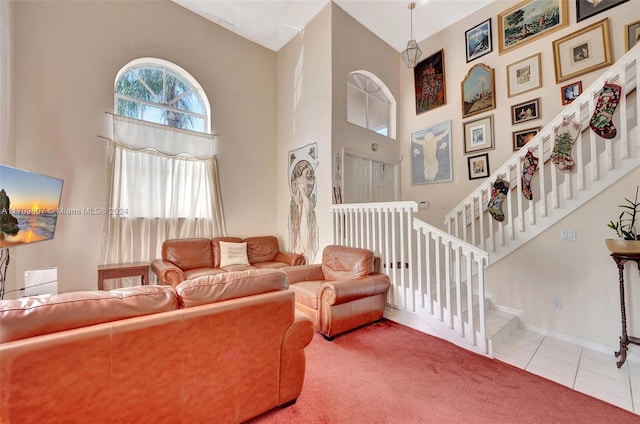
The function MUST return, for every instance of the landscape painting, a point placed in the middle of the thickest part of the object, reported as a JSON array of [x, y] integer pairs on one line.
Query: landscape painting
[[29, 205], [530, 20], [478, 40], [478, 91]]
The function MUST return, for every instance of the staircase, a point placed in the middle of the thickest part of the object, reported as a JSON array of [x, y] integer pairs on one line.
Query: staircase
[[598, 164], [437, 277]]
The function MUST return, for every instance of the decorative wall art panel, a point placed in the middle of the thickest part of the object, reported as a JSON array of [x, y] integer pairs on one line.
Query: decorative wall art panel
[[303, 226]]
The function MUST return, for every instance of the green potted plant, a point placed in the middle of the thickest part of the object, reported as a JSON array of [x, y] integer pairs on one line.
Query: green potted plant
[[626, 228]]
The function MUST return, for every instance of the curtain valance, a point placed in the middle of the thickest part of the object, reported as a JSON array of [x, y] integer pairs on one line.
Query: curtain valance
[[134, 134]]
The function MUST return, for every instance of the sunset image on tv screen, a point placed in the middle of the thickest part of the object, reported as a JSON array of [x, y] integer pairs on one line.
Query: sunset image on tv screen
[[28, 206]]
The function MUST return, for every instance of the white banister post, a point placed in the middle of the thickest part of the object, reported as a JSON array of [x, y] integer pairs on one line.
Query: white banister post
[[458, 276], [410, 256], [519, 194], [470, 319]]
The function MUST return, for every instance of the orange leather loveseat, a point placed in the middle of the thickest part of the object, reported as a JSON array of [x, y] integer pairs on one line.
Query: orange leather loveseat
[[345, 291], [185, 259], [216, 349]]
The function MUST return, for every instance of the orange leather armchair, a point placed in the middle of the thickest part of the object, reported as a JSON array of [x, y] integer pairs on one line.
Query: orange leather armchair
[[345, 291]]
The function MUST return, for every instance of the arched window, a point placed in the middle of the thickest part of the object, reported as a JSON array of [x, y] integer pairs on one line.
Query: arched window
[[161, 162], [370, 103], [158, 91]]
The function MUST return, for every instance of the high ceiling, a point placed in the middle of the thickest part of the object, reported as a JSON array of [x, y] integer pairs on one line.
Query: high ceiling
[[273, 23]]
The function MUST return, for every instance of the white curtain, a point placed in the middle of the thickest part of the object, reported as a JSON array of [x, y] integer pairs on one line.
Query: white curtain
[[163, 184]]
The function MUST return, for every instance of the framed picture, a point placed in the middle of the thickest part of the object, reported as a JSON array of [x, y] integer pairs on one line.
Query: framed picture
[[524, 75], [478, 90], [529, 20], [431, 154], [570, 92], [478, 166], [583, 51], [520, 138], [478, 134], [430, 83], [587, 8], [526, 111], [631, 35], [478, 40]]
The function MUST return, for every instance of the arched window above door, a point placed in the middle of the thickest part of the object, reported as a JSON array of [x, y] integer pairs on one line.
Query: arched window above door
[[370, 103]]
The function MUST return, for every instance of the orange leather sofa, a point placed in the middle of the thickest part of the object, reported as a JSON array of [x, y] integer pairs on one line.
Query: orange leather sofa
[[216, 349], [185, 259], [345, 291]]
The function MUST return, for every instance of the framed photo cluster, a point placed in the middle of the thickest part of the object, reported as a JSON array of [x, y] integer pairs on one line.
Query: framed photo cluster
[[524, 112], [478, 137], [575, 54]]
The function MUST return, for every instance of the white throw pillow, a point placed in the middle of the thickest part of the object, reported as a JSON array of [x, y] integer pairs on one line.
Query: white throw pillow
[[233, 254]]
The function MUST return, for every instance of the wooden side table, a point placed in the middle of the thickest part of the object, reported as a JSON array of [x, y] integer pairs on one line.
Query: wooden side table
[[133, 269], [625, 339]]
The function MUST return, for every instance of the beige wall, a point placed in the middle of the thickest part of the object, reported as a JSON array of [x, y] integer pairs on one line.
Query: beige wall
[[304, 117], [580, 272], [355, 48], [312, 75], [7, 115], [67, 55]]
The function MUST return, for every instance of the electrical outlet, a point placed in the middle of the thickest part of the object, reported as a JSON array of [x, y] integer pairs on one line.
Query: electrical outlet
[[568, 234], [557, 303]]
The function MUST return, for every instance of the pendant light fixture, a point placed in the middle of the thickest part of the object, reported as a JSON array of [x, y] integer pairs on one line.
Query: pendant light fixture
[[411, 55]]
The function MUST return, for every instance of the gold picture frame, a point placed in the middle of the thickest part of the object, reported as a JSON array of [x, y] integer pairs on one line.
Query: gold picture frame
[[631, 35], [524, 23], [524, 75], [478, 89], [582, 51]]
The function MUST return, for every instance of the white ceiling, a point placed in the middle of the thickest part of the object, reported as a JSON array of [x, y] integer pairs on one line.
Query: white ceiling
[[273, 23]]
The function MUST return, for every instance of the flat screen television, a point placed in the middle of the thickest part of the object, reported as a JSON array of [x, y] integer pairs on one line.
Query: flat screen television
[[29, 204]]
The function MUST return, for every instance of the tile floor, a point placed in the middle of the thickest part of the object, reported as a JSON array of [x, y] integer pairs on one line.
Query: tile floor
[[585, 370]]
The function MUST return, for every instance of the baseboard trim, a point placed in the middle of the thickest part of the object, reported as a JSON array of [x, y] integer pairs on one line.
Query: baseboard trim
[[633, 354]]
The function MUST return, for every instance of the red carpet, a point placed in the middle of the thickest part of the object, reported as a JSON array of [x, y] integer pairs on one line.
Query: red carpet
[[388, 373]]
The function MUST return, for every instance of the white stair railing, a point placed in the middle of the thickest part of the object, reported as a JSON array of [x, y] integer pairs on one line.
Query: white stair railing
[[432, 273], [450, 281], [385, 229], [598, 164], [439, 275]]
